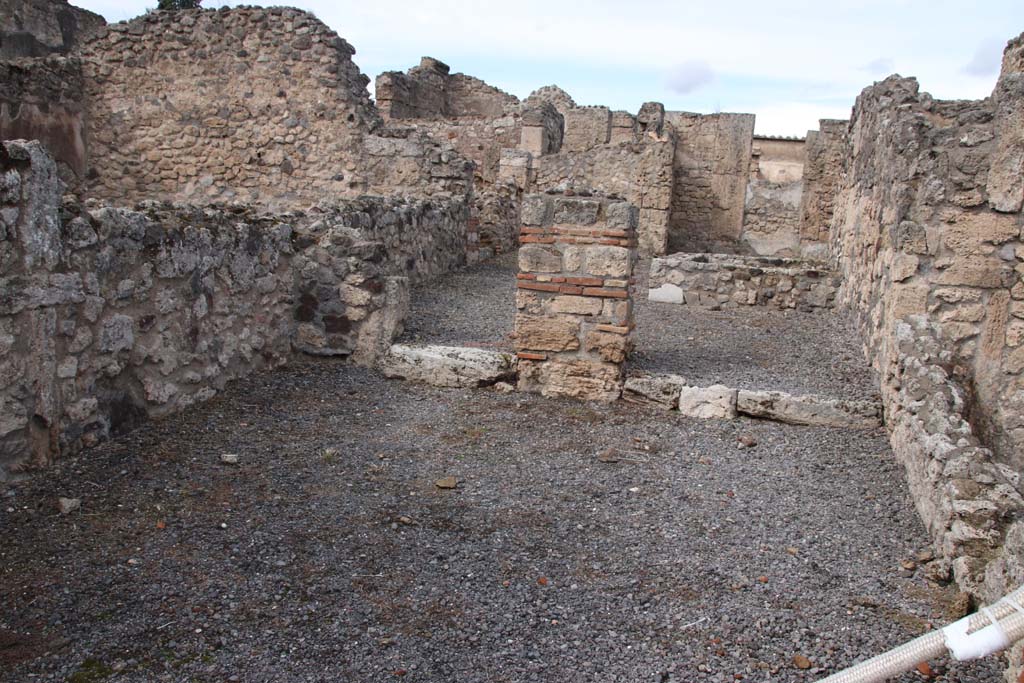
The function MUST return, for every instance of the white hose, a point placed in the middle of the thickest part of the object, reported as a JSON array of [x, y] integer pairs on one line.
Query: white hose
[[983, 633]]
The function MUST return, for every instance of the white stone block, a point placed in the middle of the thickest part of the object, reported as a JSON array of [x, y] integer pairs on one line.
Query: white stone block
[[666, 294]]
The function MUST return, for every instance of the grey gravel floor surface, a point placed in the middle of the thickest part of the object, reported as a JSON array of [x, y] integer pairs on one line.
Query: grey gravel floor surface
[[328, 553], [748, 347]]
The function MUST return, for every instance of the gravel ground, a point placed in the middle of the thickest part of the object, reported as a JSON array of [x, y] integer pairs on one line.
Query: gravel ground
[[472, 307], [749, 348], [754, 348], [328, 553]]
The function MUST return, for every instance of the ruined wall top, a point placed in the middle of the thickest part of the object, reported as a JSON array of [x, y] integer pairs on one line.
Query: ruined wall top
[[244, 103], [36, 28], [554, 95], [431, 91]]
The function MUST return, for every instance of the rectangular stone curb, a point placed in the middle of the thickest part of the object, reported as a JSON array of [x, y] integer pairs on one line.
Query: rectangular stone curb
[[448, 366], [810, 410], [672, 392]]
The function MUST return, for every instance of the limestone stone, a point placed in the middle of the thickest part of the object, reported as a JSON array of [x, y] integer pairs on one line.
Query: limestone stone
[[904, 266], [975, 271], [608, 261], [447, 366], [809, 410], [572, 378], [572, 211], [608, 346], [659, 390], [716, 401], [542, 333], [117, 334], [666, 293], [535, 209], [575, 305], [534, 258]]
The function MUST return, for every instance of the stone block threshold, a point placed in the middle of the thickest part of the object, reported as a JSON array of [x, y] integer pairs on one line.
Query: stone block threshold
[[466, 367]]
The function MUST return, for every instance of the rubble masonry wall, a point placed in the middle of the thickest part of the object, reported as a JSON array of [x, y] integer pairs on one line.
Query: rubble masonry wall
[[824, 152], [112, 315], [44, 99], [712, 161], [927, 235], [247, 104]]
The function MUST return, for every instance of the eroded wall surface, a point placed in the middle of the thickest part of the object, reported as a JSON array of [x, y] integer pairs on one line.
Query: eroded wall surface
[[254, 105], [37, 28], [712, 161], [43, 99], [825, 152], [110, 315], [927, 223]]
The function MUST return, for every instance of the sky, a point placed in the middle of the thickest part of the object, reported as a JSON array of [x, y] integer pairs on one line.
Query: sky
[[789, 62]]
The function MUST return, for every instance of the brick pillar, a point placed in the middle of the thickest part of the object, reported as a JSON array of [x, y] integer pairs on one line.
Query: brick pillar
[[575, 310]]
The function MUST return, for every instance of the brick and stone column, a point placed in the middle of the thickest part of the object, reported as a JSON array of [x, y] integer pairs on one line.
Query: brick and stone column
[[575, 310]]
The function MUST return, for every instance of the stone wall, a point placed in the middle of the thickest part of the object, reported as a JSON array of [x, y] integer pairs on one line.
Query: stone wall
[[967, 499], [640, 172], [725, 281], [825, 152], [927, 222], [915, 232], [778, 160], [37, 28], [111, 315], [771, 218], [771, 210], [712, 162], [574, 309], [43, 99], [248, 104], [431, 91]]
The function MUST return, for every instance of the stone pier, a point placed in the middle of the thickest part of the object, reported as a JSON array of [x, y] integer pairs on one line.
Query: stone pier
[[574, 307]]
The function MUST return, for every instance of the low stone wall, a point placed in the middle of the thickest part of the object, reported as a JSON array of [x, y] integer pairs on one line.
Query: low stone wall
[[673, 392], [419, 238], [109, 316], [970, 503], [574, 310], [723, 281]]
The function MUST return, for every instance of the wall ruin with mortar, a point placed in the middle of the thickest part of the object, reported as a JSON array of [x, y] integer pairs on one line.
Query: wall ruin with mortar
[[43, 99], [771, 210], [37, 28], [718, 281], [928, 222], [825, 152], [111, 315], [431, 91], [712, 164], [479, 122], [637, 171], [261, 105]]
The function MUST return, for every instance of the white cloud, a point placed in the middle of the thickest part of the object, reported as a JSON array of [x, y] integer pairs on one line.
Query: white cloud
[[794, 118], [986, 59], [880, 66], [689, 76]]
